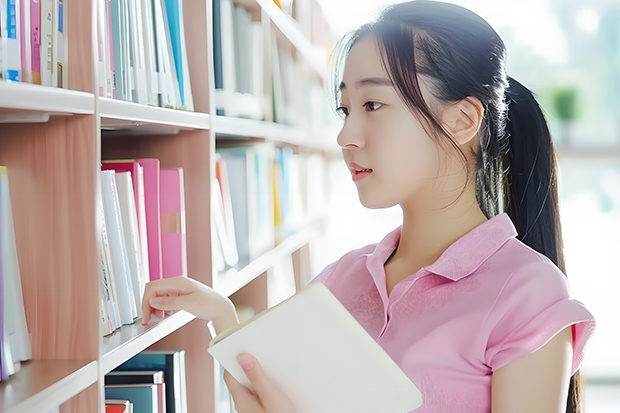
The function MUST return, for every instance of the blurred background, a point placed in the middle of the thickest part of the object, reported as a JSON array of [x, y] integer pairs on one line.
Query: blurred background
[[568, 53]]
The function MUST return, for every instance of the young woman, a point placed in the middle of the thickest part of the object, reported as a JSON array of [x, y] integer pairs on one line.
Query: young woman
[[469, 295]]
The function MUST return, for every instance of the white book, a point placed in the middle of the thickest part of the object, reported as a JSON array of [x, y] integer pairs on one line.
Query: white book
[[103, 55], [24, 27], [171, 95], [137, 52], [229, 62], [129, 217], [152, 76], [120, 262], [107, 270], [47, 42], [217, 223], [15, 325], [60, 47], [317, 353], [141, 203]]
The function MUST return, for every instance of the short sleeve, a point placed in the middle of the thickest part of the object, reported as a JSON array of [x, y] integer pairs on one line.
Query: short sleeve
[[531, 309]]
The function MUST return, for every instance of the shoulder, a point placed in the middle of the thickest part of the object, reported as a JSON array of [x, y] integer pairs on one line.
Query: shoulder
[[348, 262]]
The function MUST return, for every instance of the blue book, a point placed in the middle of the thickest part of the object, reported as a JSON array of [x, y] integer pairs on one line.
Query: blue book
[[172, 363], [142, 396], [174, 12]]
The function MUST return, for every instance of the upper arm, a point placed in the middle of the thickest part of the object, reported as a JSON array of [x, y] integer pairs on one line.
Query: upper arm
[[538, 382]]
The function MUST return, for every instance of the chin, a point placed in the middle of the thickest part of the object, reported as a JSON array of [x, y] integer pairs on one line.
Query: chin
[[375, 201]]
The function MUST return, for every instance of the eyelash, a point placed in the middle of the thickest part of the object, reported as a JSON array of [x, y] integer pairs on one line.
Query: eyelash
[[344, 111]]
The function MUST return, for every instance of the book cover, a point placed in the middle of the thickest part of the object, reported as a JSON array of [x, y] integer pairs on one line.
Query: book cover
[[143, 397], [24, 40], [174, 11], [12, 38], [141, 377], [227, 231], [173, 232], [118, 406], [47, 36], [311, 347], [118, 249], [137, 174], [107, 270], [129, 217], [35, 41], [172, 363], [18, 337], [61, 47], [153, 216]]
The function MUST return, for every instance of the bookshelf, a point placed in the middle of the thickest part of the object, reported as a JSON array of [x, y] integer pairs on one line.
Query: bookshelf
[[52, 142]]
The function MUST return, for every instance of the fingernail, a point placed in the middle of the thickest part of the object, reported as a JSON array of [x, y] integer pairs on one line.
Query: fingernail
[[156, 300], [245, 361]]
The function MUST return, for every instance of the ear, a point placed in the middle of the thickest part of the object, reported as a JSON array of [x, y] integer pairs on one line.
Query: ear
[[463, 118]]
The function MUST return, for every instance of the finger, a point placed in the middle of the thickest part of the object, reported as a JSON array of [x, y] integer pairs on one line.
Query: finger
[[245, 400], [166, 303], [271, 397]]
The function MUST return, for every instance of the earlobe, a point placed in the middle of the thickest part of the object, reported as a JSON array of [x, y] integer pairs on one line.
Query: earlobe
[[463, 119]]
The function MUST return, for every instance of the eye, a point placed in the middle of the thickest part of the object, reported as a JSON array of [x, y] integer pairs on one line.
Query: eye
[[342, 111], [372, 106]]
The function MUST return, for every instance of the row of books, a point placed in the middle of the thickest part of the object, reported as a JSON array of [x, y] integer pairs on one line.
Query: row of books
[[149, 382], [238, 58], [33, 43], [240, 48], [142, 234], [14, 338], [261, 195], [142, 54]]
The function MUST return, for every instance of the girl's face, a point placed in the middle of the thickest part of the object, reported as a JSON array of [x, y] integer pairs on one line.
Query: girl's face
[[391, 158]]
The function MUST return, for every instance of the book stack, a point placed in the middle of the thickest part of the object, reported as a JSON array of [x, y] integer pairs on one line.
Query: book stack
[[33, 44], [142, 234], [142, 54], [151, 381], [262, 194], [14, 339]]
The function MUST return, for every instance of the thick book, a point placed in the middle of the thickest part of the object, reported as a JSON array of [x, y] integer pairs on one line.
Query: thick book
[[320, 356]]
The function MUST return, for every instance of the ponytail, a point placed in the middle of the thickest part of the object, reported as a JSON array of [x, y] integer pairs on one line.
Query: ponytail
[[531, 188]]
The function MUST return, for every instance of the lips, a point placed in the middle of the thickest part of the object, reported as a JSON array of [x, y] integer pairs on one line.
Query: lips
[[359, 171]]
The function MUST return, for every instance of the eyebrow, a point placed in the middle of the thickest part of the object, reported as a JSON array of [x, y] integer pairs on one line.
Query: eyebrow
[[369, 81]]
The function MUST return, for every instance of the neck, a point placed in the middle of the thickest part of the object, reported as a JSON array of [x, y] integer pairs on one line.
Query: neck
[[428, 231]]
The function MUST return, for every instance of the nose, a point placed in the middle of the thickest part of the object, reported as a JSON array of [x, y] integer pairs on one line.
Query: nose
[[351, 135]]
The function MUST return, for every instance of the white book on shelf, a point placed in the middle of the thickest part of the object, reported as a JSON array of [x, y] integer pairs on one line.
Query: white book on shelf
[[225, 96], [217, 223], [16, 328], [118, 248], [169, 83], [47, 42], [24, 27], [61, 47], [104, 82], [176, 26], [138, 58], [107, 270], [129, 217], [152, 76], [105, 322]]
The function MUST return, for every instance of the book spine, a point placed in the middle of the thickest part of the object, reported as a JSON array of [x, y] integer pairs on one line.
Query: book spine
[[35, 41], [173, 233], [47, 35]]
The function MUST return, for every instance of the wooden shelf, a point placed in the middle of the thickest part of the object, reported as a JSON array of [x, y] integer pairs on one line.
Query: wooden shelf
[[26, 103], [119, 115], [232, 280], [227, 127], [42, 385], [316, 58], [134, 338]]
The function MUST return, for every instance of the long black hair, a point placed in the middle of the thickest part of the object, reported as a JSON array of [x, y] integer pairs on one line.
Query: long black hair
[[461, 54]]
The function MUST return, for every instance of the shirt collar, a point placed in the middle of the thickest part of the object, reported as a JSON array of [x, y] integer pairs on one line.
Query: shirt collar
[[466, 254]]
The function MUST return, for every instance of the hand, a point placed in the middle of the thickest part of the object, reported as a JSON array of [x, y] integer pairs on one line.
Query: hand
[[161, 297], [268, 398]]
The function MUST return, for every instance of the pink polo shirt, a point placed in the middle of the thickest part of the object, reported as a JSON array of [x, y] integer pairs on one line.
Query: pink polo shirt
[[488, 300]]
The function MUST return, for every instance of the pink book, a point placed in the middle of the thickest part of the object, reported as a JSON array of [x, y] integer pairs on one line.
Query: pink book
[[149, 228], [35, 40], [24, 39], [173, 235]]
